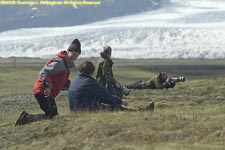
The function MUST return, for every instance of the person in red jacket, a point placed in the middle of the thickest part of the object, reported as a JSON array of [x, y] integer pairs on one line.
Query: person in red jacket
[[53, 78]]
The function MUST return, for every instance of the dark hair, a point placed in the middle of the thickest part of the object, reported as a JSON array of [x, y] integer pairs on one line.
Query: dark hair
[[86, 67]]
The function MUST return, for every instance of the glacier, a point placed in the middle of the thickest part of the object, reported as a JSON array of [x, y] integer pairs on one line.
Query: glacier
[[174, 29]]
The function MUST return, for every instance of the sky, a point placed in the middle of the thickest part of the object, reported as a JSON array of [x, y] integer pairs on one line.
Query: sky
[[174, 29]]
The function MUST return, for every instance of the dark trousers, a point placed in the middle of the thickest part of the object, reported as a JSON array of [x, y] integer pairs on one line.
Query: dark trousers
[[47, 104]]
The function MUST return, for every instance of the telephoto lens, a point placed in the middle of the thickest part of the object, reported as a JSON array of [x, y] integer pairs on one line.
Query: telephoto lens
[[125, 91], [178, 78]]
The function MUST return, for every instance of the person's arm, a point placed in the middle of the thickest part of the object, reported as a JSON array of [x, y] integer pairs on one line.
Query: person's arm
[[169, 83], [154, 83], [150, 84], [52, 68], [161, 85], [105, 97]]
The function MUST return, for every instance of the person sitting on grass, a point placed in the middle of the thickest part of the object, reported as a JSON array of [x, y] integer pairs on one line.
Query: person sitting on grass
[[86, 94], [53, 78]]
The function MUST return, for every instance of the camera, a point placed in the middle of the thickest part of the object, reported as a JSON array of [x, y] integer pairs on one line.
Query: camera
[[122, 89], [178, 78]]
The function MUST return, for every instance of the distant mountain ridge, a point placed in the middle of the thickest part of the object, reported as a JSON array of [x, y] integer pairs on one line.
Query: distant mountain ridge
[[25, 16]]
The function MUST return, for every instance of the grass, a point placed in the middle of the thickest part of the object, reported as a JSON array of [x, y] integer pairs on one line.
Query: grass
[[190, 116]]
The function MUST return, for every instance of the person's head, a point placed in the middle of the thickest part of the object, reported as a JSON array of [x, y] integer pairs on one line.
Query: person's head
[[77, 42], [86, 68], [74, 50], [163, 76], [106, 52]]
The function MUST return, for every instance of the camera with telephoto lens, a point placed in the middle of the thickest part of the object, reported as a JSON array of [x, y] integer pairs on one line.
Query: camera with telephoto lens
[[178, 78], [122, 89]]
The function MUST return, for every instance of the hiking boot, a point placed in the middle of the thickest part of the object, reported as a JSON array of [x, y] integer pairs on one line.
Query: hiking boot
[[23, 119], [151, 105]]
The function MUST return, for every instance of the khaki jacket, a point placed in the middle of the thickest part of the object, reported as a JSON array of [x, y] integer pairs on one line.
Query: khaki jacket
[[156, 83], [104, 67]]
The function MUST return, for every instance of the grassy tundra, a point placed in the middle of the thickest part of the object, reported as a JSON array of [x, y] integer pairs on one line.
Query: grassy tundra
[[190, 116]]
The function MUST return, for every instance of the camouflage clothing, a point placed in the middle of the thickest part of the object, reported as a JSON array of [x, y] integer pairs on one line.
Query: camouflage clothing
[[105, 76], [155, 83], [104, 71]]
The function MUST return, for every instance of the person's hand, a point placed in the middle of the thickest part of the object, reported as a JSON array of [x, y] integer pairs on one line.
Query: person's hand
[[47, 92], [124, 102]]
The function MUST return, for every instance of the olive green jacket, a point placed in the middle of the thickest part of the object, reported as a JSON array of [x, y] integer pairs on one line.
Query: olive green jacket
[[104, 68], [156, 83]]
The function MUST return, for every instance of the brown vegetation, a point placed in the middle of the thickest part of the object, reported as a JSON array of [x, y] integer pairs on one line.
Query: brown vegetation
[[190, 116]]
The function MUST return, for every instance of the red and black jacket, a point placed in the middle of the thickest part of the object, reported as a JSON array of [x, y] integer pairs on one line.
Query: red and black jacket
[[54, 75]]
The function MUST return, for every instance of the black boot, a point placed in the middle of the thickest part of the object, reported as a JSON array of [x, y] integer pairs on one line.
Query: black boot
[[135, 85], [27, 118], [23, 119], [150, 107]]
